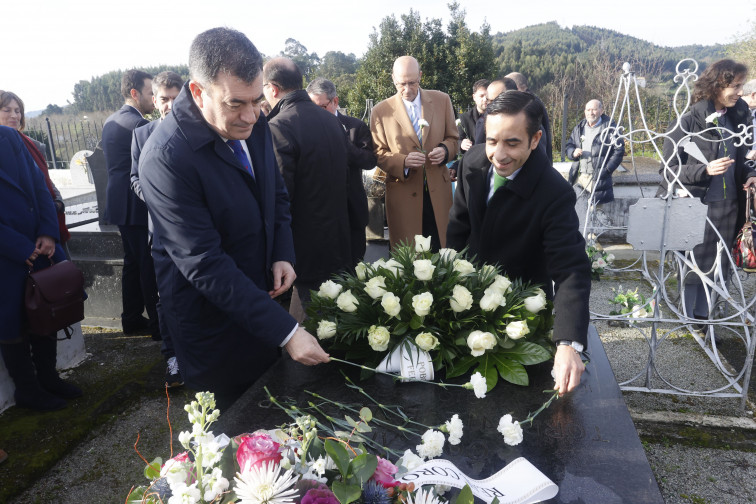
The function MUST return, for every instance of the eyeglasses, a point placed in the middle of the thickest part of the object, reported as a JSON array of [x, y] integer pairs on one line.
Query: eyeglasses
[[326, 104], [407, 84]]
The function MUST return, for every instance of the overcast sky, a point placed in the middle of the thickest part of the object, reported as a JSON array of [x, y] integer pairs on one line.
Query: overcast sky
[[49, 45]]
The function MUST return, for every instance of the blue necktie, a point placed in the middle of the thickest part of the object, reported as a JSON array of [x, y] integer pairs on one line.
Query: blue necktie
[[236, 146], [416, 123]]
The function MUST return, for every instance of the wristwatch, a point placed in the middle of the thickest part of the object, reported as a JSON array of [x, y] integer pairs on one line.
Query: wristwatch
[[574, 344]]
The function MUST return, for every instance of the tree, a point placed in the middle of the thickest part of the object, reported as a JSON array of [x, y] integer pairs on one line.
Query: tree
[[744, 50], [450, 60], [307, 62], [52, 110]]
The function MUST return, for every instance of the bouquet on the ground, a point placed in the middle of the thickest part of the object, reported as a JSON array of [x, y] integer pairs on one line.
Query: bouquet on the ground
[[600, 259], [632, 304], [462, 314], [291, 464]]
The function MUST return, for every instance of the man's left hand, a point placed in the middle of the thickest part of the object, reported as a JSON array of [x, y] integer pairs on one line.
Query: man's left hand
[[283, 277], [437, 155], [568, 368], [751, 155], [751, 182]]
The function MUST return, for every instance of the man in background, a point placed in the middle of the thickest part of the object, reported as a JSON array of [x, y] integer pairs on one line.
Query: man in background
[[468, 120], [126, 210], [522, 85], [749, 95], [311, 150], [414, 155], [360, 155], [165, 89]]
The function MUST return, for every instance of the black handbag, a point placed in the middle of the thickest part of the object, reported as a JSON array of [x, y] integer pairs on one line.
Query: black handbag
[[54, 298]]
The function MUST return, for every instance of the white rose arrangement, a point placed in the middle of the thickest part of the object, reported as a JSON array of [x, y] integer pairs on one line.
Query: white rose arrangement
[[459, 311]]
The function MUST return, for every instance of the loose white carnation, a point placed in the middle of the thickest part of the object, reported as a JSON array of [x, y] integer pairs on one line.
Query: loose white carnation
[[378, 338], [479, 385], [454, 428], [422, 303], [391, 304], [329, 289], [376, 287], [423, 269], [463, 267], [461, 299], [432, 445], [511, 431], [479, 342], [422, 243], [326, 329], [516, 330], [347, 302]]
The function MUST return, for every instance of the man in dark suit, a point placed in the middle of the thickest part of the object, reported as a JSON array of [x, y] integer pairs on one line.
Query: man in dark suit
[[220, 215], [126, 210], [361, 157], [468, 120], [311, 150], [165, 88], [512, 208]]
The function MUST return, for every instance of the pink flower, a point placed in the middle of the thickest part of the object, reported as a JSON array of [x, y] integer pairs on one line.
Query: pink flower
[[384, 473], [181, 457], [319, 495], [257, 449]]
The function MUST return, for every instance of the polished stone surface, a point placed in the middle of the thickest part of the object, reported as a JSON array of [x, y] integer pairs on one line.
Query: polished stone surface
[[585, 442]]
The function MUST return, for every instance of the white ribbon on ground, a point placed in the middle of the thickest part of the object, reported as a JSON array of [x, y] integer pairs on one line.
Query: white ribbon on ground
[[520, 482], [409, 361]]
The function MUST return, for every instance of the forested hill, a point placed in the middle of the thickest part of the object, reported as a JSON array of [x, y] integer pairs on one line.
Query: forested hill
[[546, 51]]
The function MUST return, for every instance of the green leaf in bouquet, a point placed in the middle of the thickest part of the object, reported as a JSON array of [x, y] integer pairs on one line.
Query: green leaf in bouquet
[[510, 370], [366, 414], [363, 467], [339, 455], [465, 496], [416, 322], [400, 329], [152, 471], [506, 343], [528, 353], [461, 366], [346, 493]]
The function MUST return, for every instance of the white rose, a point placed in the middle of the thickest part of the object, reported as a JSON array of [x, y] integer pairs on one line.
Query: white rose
[[394, 267], [426, 341], [378, 338], [610, 258], [487, 269], [463, 267], [479, 342], [409, 460], [447, 253], [391, 304], [380, 263], [421, 303], [422, 243], [501, 284], [594, 265], [516, 330], [461, 299], [601, 263], [347, 302], [491, 300], [329, 289], [376, 287], [326, 329], [511, 430], [361, 270], [639, 312], [536, 303], [423, 269]]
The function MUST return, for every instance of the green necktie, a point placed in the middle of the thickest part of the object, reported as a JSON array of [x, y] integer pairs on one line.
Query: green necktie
[[499, 181]]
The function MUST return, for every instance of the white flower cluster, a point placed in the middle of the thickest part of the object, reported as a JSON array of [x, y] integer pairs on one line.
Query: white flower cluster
[[510, 429], [432, 445]]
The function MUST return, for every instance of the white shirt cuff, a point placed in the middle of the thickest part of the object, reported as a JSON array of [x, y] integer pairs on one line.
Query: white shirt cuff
[[283, 343]]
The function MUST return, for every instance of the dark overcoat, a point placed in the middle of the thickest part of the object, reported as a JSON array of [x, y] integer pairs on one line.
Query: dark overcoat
[[218, 232], [530, 229], [27, 211], [123, 207]]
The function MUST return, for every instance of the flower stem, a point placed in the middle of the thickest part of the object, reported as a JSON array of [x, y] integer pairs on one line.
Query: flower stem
[[531, 417], [394, 376]]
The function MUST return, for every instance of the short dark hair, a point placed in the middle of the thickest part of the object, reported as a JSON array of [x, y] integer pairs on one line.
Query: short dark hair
[[509, 84], [223, 50], [284, 73], [514, 102], [133, 79], [717, 76], [480, 83], [166, 80], [322, 85], [5, 98]]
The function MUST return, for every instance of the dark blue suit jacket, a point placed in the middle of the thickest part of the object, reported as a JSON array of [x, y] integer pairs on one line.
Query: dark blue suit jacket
[[218, 231], [123, 206], [27, 211], [138, 139]]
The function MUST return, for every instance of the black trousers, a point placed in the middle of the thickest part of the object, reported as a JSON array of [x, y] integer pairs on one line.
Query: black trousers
[[138, 284], [429, 221]]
